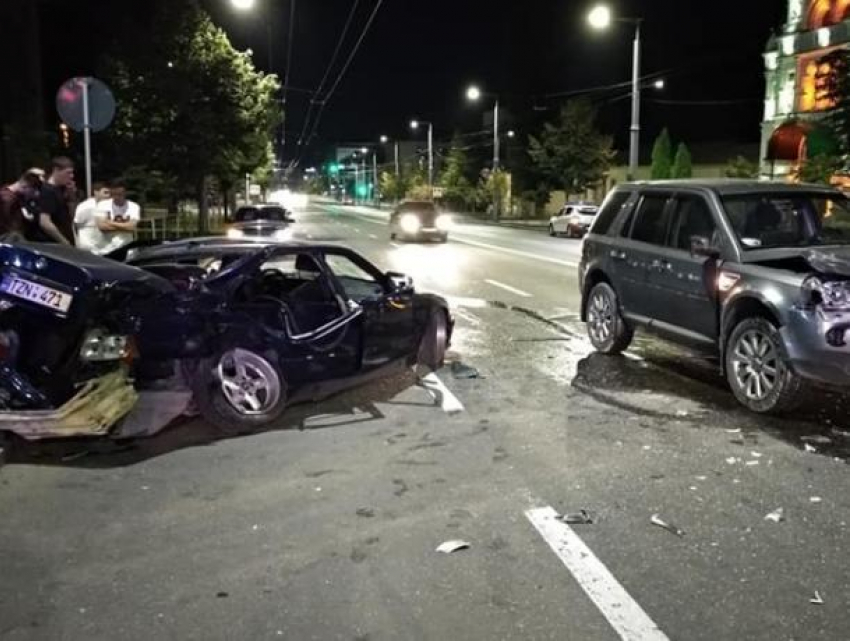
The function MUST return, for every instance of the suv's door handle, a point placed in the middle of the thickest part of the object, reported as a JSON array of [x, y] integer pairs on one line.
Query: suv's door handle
[[661, 265], [617, 254]]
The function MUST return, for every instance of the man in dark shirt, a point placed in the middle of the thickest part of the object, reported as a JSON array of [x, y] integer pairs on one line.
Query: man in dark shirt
[[19, 205], [55, 222]]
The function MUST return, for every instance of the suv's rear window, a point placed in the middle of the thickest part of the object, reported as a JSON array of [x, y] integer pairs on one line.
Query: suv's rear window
[[248, 214], [650, 224], [609, 210]]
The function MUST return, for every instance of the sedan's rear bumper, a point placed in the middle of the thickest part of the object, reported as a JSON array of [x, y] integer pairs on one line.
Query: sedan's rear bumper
[[810, 353], [424, 235]]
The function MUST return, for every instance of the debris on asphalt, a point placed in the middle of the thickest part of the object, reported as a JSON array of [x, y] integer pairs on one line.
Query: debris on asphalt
[[820, 439], [816, 599], [582, 517], [221, 595], [255, 527], [732, 460], [461, 371], [756, 454], [75, 456], [701, 477], [365, 512], [840, 433], [753, 462], [815, 499], [450, 547], [810, 448], [682, 413], [656, 520], [736, 430], [776, 516], [647, 447]]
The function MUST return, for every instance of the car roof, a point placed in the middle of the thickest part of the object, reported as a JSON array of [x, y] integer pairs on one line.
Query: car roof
[[731, 186], [219, 244]]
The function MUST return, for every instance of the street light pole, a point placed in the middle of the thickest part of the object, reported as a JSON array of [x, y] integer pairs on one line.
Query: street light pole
[[634, 145], [496, 136], [431, 157]]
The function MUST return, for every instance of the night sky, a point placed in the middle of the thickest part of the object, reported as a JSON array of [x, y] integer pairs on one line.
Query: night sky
[[419, 56]]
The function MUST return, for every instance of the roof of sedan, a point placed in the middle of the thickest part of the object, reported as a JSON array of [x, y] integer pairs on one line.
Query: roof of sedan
[[222, 244], [730, 186]]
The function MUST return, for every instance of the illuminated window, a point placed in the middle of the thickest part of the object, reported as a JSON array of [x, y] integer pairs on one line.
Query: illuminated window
[[824, 13], [816, 76]]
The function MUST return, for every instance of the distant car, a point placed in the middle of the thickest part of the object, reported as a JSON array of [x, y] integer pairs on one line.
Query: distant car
[[262, 221], [573, 220], [416, 220], [347, 199], [757, 273]]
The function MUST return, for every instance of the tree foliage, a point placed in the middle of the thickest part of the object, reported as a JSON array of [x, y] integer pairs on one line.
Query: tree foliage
[[189, 105], [571, 152], [662, 157], [820, 169], [457, 188], [682, 163], [837, 90], [740, 167]]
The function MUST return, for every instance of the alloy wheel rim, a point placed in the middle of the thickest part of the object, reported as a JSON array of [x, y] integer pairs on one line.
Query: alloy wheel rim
[[249, 382], [756, 365], [601, 317]]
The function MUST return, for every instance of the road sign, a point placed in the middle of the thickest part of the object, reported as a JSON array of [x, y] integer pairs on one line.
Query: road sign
[[85, 104]]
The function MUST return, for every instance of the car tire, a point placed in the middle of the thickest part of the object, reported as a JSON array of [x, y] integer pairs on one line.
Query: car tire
[[444, 238], [240, 390], [392, 235], [758, 371], [608, 331], [434, 343], [552, 231]]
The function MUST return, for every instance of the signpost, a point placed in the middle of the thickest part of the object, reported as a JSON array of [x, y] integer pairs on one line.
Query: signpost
[[86, 105]]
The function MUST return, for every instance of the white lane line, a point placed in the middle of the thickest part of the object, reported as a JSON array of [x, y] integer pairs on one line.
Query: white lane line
[[373, 237], [515, 252], [442, 395], [623, 613], [507, 288], [459, 301]]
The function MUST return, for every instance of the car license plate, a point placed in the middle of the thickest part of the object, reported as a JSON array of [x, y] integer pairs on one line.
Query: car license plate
[[39, 294]]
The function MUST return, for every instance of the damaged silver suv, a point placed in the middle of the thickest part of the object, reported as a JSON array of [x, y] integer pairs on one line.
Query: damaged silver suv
[[757, 273]]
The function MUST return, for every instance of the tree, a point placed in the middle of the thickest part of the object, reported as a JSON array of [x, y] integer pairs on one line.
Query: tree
[[740, 167], [457, 189], [820, 169], [571, 152], [682, 163], [190, 105], [837, 91], [393, 187], [662, 157]]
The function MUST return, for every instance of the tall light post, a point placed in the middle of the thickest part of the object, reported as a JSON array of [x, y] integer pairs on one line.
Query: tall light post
[[600, 18], [249, 5], [384, 141], [414, 124], [474, 94]]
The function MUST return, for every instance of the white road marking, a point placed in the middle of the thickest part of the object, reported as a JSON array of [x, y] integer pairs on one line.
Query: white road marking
[[459, 301], [515, 252], [396, 245], [507, 288], [373, 237], [623, 613], [442, 394]]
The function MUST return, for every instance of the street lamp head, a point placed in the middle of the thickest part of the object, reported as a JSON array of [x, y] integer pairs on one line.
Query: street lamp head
[[600, 17], [659, 84], [384, 140], [364, 150], [414, 124], [511, 134], [473, 93], [242, 5]]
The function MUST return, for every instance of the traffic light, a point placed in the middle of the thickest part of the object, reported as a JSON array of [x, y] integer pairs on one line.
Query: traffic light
[[66, 135], [362, 190], [333, 168]]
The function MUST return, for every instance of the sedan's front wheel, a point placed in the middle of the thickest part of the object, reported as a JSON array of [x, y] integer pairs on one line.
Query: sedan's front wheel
[[434, 343], [240, 390], [757, 370]]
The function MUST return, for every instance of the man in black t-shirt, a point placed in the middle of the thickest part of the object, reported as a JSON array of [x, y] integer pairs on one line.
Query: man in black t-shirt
[[19, 205], [55, 222]]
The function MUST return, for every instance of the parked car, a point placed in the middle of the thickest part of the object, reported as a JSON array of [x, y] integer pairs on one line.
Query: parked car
[[243, 328], [416, 220], [265, 220], [756, 273], [573, 220]]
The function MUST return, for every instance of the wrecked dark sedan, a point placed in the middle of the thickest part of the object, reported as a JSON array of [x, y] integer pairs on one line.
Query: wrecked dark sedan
[[236, 330], [757, 273]]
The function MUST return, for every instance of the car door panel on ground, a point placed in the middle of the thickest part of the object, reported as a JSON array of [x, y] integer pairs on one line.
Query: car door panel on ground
[[681, 284], [643, 233]]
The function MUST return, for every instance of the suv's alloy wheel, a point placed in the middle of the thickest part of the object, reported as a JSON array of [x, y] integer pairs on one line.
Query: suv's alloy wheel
[[608, 332]]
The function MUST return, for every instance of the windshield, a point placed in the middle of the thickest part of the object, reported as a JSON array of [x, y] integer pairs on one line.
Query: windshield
[[768, 220], [248, 214]]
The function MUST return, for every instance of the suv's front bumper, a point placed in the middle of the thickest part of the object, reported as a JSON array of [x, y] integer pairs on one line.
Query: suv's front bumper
[[808, 350]]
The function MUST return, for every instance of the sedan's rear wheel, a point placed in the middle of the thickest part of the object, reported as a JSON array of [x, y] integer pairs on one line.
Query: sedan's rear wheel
[[240, 390], [757, 369], [606, 327]]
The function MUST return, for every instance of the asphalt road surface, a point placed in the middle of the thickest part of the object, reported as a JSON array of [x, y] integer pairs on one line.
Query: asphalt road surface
[[327, 526]]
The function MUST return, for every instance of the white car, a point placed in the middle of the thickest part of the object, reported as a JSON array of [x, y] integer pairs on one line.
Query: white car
[[573, 221]]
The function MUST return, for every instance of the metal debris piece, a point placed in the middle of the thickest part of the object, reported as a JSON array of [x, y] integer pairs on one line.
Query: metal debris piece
[[816, 599], [810, 448], [582, 517], [656, 520], [776, 516], [461, 371], [450, 547], [365, 512], [820, 439]]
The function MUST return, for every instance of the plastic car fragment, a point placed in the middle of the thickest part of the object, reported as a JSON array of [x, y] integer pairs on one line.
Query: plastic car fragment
[[776, 516], [657, 520], [450, 547], [582, 517]]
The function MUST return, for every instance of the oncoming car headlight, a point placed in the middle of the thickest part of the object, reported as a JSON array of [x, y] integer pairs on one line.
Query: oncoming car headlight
[[410, 223], [99, 346], [235, 233], [444, 222]]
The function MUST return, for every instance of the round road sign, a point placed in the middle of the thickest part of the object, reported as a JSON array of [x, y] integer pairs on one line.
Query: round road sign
[[69, 104]]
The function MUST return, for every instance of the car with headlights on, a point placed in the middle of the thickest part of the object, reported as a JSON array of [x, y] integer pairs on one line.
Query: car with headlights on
[[755, 273], [573, 220], [420, 220], [268, 221]]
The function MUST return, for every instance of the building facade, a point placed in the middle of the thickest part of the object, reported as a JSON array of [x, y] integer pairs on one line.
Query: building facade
[[798, 64]]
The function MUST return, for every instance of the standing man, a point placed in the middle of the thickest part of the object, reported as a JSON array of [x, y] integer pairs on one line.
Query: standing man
[[55, 223], [89, 236], [118, 217], [19, 205]]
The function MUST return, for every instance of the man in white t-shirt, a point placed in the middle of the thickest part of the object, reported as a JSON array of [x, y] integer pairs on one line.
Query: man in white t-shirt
[[89, 236], [117, 218]]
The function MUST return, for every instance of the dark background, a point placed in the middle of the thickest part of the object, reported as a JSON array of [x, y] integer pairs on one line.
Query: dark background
[[419, 56]]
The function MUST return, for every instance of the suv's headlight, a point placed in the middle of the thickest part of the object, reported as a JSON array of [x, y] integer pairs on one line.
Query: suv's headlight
[[444, 222], [410, 223], [235, 234], [831, 295], [99, 346]]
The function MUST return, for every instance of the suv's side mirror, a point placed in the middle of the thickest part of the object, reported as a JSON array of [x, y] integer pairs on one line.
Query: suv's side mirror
[[701, 246], [399, 282]]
